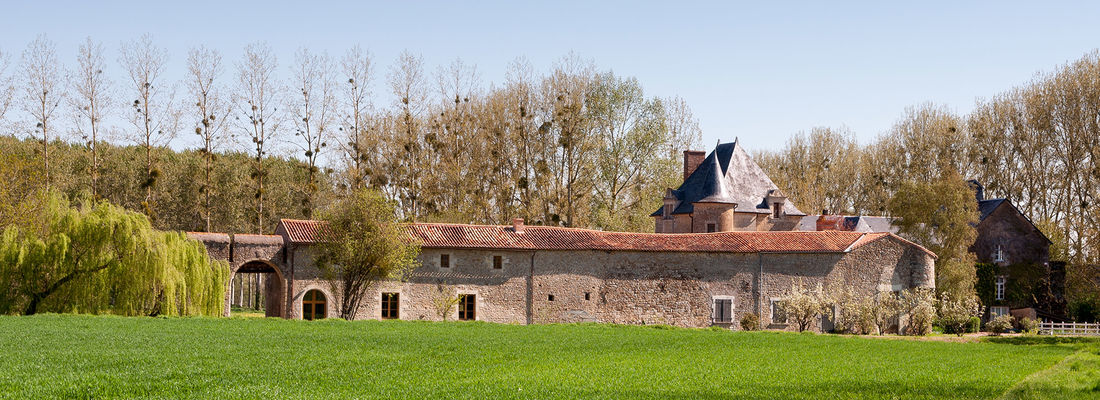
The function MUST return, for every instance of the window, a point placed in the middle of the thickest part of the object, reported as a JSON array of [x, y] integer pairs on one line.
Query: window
[[779, 316], [710, 228], [668, 211], [588, 296], [777, 208], [999, 254], [997, 311], [498, 262], [550, 298], [999, 288], [467, 307], [723, 310], [313, 305], [390, 305], [444, 261]]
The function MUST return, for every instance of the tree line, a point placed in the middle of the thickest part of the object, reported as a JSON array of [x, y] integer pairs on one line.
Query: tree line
[[574, 146], [1035, 144]]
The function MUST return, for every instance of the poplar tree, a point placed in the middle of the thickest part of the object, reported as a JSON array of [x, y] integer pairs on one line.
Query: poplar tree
[[357, 68], [92, 102], [313, 108], [154, 117], [42, 92], [258, 96], [210, 114]]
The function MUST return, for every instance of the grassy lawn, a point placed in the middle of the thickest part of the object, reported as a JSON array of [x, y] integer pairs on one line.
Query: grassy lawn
[[56, 356]]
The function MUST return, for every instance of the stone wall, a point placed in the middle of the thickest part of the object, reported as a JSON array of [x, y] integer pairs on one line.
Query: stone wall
[[626, 287]]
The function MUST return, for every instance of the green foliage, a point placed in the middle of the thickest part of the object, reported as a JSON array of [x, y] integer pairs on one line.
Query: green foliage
[[985, 274], [1029, 325], [179, 187], [940, 215], [362, 244], [98, 258], [750, 322], [999, 324], [974, 325], [55, 356]]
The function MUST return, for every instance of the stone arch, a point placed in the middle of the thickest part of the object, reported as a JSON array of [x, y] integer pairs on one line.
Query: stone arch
[[274, 286]]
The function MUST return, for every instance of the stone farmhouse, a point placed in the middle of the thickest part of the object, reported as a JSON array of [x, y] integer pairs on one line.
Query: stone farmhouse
[[538, 274]]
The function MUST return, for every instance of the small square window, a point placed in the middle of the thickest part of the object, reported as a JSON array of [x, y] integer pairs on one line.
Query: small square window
[[444, 261], [550, 298], [498, 262], [711, 228]]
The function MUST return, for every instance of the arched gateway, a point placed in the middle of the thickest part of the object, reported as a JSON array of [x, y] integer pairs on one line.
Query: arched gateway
[[253, 254]]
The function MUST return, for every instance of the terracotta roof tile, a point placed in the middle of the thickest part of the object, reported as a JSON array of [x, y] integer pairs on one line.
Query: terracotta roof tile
[[556, 238]]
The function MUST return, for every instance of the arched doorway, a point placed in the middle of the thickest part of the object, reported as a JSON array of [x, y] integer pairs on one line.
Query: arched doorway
[[257, 287], [314, 305]]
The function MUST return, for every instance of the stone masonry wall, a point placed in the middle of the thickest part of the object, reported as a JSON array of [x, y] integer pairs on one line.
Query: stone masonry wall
[[627, 287]]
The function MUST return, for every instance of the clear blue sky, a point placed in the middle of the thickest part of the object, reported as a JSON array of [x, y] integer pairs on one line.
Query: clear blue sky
[[756, 72]]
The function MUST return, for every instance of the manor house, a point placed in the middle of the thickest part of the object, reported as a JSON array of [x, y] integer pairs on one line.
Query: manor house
[[538, 274]]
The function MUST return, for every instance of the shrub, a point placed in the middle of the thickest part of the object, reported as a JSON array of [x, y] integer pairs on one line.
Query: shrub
[[999, 325], [958, 315], [974, 325], [750, 322], [1029, 325], [920, 305], [803, 305]]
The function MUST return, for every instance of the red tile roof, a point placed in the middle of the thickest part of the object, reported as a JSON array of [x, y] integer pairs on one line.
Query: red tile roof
[[556, 238]]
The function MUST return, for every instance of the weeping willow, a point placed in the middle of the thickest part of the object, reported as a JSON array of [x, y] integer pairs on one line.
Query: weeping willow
[[101, 259]]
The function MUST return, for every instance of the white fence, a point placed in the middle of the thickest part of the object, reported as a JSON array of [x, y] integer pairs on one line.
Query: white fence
[[1069, 328]]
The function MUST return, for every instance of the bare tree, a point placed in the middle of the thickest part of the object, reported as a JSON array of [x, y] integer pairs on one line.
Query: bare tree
[[258, 94], [7, 85], [313, 108], [42, 94], [204, 66], [357, 67], [92, 101], [409, 88], [154, 118]]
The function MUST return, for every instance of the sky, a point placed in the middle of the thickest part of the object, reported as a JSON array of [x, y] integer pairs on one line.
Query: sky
[[758, 71]]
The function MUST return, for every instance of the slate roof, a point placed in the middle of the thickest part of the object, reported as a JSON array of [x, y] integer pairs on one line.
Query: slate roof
[[504, 237], [986, 207], [728, 175]]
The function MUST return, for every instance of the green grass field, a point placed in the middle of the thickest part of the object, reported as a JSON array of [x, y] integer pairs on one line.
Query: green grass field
[[64, 356]]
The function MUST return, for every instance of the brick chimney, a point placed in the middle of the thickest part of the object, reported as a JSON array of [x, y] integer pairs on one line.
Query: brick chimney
[[517, 225], [692, 159]]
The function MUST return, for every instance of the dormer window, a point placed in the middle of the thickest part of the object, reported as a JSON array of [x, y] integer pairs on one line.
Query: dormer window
[[777, 209], [668, 211], [999, 254]]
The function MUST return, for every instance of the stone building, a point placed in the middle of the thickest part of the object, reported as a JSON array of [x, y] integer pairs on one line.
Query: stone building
[[725, 191], [536, 274], [1023, 280], [727, 244]]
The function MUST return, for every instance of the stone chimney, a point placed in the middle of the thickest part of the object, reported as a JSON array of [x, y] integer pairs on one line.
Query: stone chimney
[[692, 159], [517, 225]]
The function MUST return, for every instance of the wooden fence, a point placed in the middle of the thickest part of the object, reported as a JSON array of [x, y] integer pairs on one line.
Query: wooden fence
[[1069, 328]]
